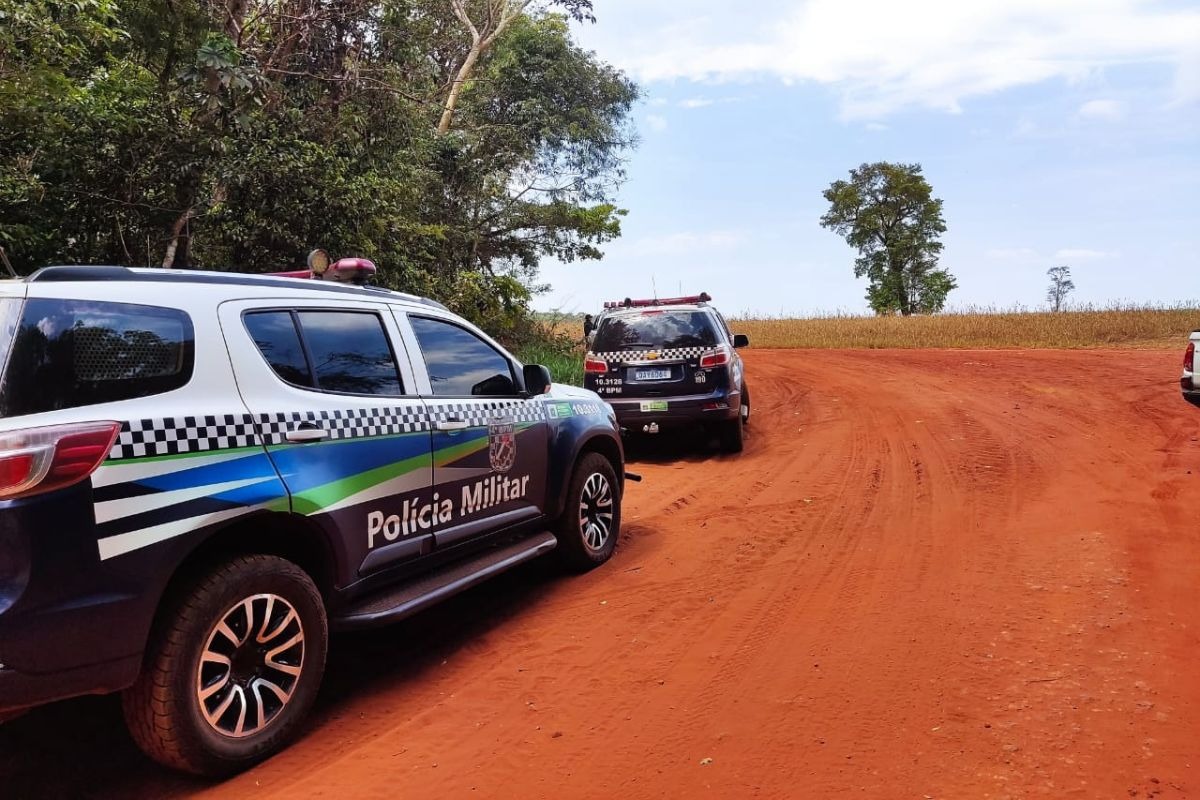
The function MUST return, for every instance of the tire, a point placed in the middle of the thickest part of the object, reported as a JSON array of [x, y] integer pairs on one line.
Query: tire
[[240, 720], [745, 412], [732, 435], [586, 532]]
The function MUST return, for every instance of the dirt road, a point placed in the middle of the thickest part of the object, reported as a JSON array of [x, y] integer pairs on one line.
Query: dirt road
[[932, 574]]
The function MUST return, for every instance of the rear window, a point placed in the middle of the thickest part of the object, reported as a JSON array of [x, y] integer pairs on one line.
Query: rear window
[[655, 330], [70, 353]]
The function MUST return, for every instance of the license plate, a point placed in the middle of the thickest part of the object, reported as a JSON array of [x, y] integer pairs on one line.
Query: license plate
[[654, 405], [652, 374]]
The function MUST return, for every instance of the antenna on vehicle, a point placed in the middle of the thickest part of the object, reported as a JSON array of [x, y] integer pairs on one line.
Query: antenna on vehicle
[[653, 287], [7, 264]]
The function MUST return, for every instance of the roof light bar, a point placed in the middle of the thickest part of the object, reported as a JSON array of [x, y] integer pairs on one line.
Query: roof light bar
[[703, 297], [358, 271]]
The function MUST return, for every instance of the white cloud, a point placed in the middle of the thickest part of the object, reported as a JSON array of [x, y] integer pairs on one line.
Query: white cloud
[[1082, 254], [1102, 109], [657, 122], [876, 127], [1027, 255], [1013, 254], [696, 102], [684, 242], [882, 56]]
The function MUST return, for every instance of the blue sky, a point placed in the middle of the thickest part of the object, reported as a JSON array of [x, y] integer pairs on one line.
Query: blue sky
[[1056, 132]]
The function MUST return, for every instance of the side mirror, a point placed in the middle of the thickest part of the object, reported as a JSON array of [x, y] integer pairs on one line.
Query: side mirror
[[537, 379], [741, 340]]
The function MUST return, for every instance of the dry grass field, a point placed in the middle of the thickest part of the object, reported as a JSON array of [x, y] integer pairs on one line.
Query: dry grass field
[[1126, 327]]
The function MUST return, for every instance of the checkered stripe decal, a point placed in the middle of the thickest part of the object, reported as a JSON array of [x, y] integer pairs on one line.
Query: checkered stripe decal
[[477, 413], [348, 424], [663, 355], [171, 436]]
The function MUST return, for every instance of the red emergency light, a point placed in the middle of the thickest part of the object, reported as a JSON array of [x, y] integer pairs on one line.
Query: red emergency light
[[358, 271], [703, 297]]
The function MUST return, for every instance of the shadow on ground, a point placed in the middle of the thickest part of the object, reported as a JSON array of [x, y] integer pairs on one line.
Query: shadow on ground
[[79, 748], [683, 445]]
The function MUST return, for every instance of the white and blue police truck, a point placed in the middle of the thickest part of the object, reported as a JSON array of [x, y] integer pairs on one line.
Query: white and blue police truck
[[202, 474]]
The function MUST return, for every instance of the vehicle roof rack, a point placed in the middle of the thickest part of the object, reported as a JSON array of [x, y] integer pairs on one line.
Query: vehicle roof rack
[[692, 299], [84, 273]]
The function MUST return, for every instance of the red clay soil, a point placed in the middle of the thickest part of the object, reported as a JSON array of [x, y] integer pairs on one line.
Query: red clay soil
[[931, 574]]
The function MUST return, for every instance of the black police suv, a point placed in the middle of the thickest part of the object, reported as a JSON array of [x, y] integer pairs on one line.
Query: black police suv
[[669, 362]]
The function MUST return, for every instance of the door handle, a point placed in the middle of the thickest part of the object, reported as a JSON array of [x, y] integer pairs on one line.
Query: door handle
[[310, 434], [452, 424]]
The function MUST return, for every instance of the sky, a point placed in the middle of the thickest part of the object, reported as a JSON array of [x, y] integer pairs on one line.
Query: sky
[[1055, 132]]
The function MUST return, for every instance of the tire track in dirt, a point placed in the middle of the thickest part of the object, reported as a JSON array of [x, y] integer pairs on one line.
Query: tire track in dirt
[[931, 573]]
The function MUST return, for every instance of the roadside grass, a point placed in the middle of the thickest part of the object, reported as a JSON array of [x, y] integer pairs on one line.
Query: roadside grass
[[1138, 327], [564, 361]]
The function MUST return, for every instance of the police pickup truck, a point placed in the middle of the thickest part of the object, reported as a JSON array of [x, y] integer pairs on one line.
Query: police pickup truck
[[669, 362], [201, 474], [1189, 382]]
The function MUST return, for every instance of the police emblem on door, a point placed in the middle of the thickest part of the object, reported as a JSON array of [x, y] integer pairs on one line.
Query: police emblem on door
[[502, 446]]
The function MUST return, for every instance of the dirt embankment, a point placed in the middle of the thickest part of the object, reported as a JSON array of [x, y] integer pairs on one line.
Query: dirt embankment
[[932, 573]]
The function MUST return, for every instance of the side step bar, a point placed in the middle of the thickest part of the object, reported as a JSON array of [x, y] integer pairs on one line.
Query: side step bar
[[409, 598]]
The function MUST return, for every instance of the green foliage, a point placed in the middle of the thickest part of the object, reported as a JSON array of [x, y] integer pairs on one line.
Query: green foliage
[[225, 134], [563, 357], [888, 213]]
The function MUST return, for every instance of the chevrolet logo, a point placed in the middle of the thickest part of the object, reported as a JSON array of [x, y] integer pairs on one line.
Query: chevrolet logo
[[651, 356]]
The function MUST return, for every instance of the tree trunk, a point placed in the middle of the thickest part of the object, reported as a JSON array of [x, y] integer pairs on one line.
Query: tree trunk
[[176, 233], [463, 75]]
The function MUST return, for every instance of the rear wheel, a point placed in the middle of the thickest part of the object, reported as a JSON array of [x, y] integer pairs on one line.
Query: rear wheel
[[745, 412], [590, 523], [732, 435], [233, 670]]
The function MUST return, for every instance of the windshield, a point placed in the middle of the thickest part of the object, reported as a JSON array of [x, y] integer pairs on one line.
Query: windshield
[[655, 330]]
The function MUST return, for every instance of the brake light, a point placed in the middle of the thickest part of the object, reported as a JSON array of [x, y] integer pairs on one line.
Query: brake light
[[37, 460], [714, 358], [595, 365], [1189, 356]]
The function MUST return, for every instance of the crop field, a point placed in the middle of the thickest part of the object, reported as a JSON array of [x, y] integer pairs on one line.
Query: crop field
[[1135, 327], [1126, 327]]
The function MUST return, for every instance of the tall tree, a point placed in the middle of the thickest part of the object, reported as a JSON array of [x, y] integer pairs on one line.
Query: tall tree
[[888, 213], [494, 16], [1061, 285], [239, 134]]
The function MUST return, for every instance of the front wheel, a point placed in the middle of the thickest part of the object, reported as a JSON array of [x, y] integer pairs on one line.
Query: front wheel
[[232, 670], [590, 523]]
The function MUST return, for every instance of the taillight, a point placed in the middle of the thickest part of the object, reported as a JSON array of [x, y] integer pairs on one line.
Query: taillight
[[595, 365], [714, 358], [1189, 356], [37, 460]]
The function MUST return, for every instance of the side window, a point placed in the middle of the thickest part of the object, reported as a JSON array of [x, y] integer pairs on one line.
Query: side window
[[460, 364], [350, 352], [70, 353], [725, 326], [278, 340], [346, 352]]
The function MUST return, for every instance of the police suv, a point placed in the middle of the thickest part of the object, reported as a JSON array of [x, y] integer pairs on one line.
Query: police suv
[[669, 362], [201, 474]]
